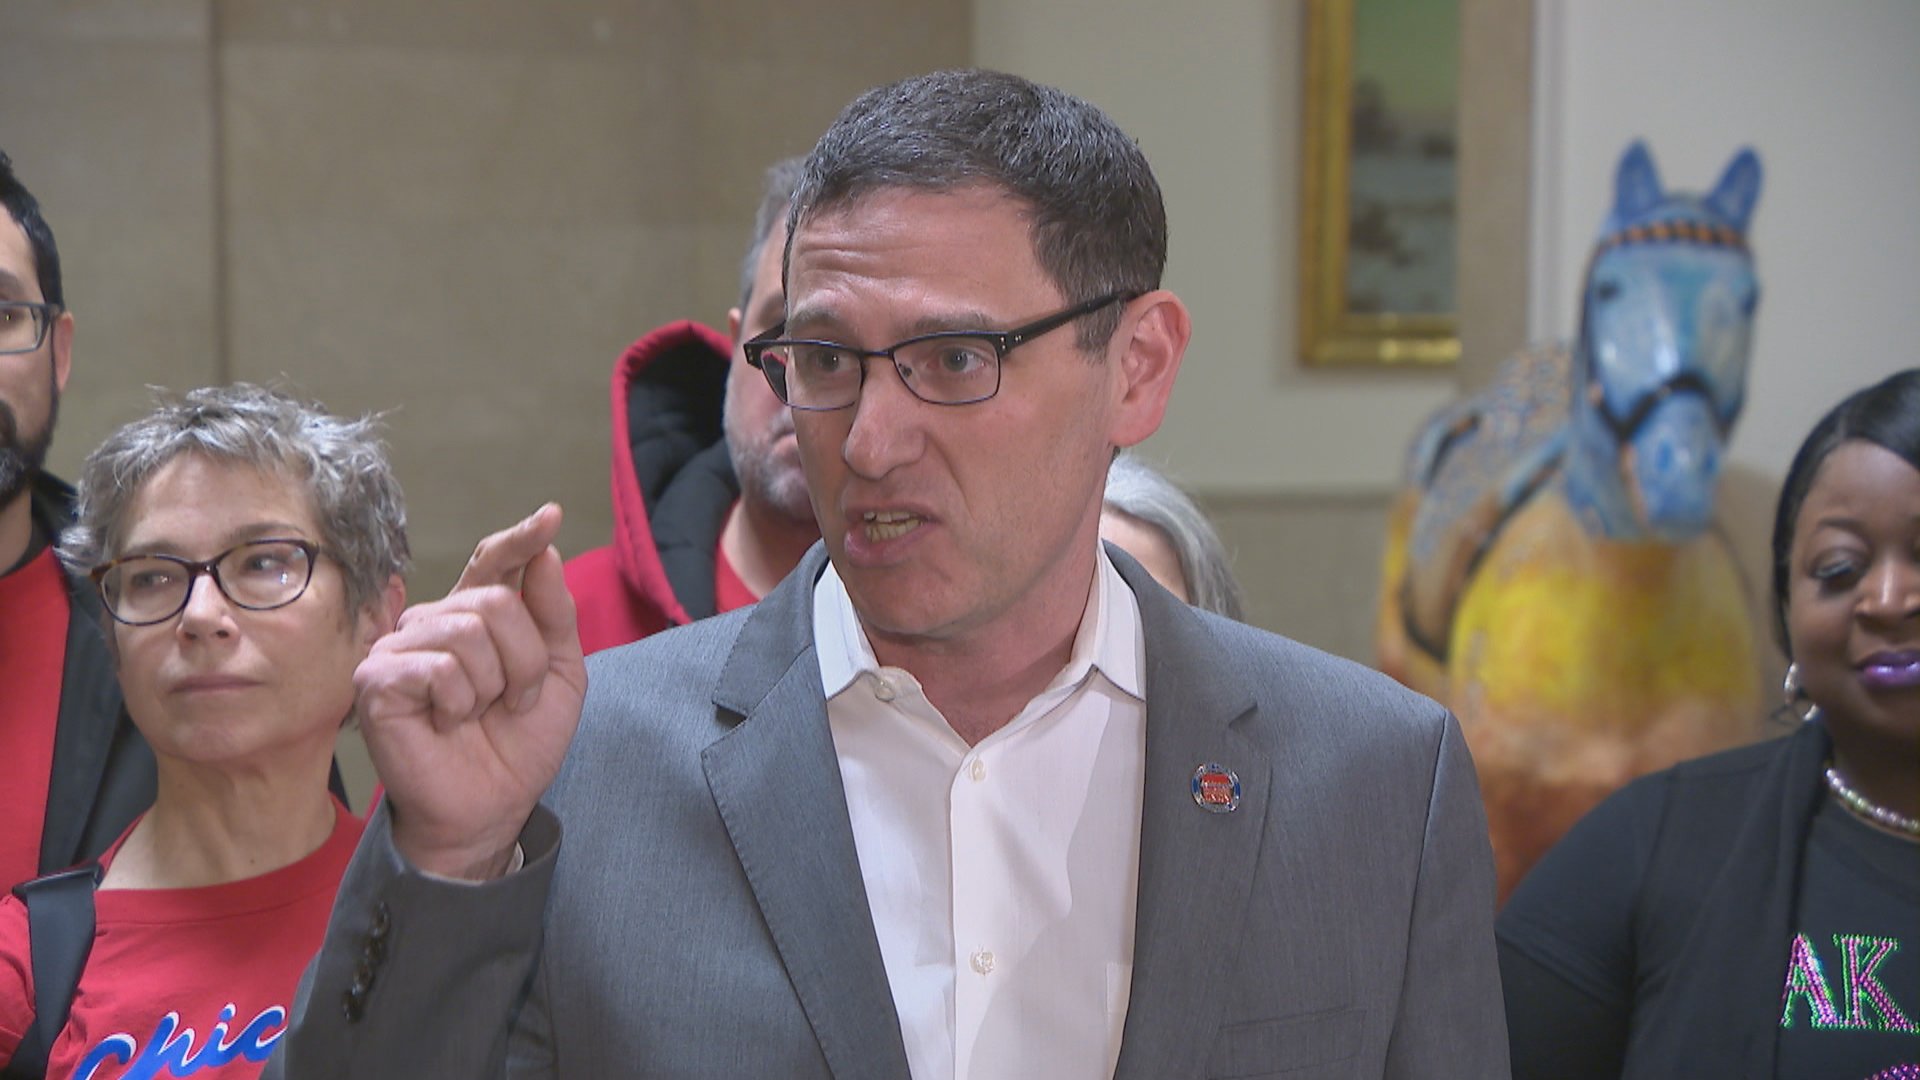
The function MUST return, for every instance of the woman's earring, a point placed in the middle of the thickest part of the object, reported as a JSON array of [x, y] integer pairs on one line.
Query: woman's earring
[[1793, 694]]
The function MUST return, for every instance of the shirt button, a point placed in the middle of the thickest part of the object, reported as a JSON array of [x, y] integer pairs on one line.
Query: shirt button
[[977, 770], [982, 961], [883, 689]]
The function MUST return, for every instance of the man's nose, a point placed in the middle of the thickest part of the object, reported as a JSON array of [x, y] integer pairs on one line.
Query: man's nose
[[885, 432]]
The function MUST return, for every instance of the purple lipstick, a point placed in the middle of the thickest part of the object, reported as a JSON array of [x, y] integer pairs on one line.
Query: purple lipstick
[[1891, 670]]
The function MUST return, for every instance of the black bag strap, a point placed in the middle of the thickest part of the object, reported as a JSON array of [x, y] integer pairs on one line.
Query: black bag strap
[[60, 936]]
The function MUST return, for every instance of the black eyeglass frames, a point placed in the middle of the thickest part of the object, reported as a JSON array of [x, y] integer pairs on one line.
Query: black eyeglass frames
[[24, 324], [259, 575], [951, 367]]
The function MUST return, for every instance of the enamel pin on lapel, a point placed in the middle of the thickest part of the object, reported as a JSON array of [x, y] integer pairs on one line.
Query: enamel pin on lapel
[[1216, 789]]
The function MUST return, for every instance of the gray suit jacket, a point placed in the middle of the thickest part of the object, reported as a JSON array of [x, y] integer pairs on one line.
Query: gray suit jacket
[[706, 916]]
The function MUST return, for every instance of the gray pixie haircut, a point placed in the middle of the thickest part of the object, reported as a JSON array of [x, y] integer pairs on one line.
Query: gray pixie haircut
[[1138, 490], [342, 463], [776, 194], [1098, 222]]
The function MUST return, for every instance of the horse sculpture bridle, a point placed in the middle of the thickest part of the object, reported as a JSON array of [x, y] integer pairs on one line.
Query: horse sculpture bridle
[[1624, 428]]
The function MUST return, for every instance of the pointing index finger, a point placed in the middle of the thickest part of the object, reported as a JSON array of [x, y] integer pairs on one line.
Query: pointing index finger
[[502, 558]]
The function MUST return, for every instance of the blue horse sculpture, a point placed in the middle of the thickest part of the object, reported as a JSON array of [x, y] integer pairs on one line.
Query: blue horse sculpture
[[1551, 572]]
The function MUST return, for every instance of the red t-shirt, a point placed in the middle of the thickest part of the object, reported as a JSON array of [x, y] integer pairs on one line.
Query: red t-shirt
[[183, 982], [33, 650], [729, 591]]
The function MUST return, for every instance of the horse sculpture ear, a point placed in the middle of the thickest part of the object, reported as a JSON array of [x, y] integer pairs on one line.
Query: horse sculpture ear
[[1738, 190], [1636, 186]]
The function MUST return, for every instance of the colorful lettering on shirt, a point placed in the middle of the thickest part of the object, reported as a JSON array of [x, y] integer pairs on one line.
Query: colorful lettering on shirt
[[171, 1047], [1864, 954], [1804, 979], [1864, 986]]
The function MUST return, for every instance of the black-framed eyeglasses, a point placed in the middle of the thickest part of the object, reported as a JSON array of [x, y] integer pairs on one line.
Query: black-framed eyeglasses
[[259, 575], [952, 367], [24, 324]]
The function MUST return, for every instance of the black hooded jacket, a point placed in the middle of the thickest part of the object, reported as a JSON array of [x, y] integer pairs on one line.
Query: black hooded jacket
[[103, 772]]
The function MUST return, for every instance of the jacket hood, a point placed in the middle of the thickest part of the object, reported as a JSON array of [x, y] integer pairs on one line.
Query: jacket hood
[[667, 395]]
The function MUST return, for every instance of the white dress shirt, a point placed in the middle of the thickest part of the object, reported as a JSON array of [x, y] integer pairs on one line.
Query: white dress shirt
[[1002, 876]]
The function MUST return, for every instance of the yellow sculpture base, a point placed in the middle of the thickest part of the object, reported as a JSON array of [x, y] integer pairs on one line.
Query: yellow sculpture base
[[1576, 664]]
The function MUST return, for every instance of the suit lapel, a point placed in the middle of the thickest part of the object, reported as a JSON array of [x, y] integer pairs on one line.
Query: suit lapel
[[1196, 867], [776, 783]]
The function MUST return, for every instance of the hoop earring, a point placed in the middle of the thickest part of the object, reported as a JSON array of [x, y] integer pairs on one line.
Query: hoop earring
[[1793, 694]]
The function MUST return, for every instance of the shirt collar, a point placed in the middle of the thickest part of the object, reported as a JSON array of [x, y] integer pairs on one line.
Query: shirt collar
[[1109, 639]]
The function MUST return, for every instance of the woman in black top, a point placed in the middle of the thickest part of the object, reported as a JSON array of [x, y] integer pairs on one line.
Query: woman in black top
[[1757, 913]]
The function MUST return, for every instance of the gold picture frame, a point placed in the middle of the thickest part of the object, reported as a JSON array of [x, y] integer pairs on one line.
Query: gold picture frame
[[1337, 326]]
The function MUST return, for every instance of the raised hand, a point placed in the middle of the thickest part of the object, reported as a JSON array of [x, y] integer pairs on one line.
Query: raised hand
[[468, 706]]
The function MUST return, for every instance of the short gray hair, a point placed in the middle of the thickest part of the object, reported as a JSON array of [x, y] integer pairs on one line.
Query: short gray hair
[[1098, 221], [776, 194], [343, 464], [1137, 490]]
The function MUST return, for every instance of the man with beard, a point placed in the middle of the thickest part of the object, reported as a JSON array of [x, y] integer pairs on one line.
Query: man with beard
[[710, 507], [73, 772]]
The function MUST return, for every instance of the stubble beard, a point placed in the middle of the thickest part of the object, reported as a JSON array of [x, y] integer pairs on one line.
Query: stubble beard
[[22, 455], [766, 482], [779, 488]]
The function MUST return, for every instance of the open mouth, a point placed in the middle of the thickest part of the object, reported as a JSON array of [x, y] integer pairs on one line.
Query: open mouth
[[882, 525]]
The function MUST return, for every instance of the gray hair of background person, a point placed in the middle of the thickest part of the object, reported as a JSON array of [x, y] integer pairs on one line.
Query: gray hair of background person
[[776, 195], [25, 211], [1099, 223], [1138, 490], [343, 464]]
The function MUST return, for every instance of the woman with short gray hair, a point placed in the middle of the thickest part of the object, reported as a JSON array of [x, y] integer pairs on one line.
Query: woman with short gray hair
[[343, 464], [1151, 519], [249, 549]]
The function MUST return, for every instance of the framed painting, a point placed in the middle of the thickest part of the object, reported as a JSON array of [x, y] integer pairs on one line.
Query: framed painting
[[1380, 175]]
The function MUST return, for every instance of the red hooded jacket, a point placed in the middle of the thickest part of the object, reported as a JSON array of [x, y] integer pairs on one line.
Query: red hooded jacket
[[673, 485]]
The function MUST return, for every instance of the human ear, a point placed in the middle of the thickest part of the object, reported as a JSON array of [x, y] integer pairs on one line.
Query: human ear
[[382, 613], [61, 334], [1151, 341]]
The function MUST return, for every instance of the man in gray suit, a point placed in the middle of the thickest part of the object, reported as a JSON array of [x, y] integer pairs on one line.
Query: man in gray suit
[[967, 795]]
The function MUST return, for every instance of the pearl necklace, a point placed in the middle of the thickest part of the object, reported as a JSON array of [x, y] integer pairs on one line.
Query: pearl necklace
[[1866, 808]]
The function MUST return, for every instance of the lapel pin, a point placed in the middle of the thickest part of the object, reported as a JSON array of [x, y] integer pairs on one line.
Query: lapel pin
[[1216, 789]]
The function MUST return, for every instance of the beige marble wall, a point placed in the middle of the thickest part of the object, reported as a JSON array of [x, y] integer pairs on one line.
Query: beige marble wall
[[1495, 195], [456, 211], [104, 108], [463, 212], [1310, 564]]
